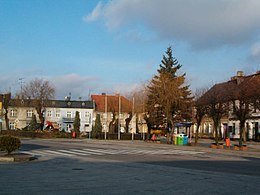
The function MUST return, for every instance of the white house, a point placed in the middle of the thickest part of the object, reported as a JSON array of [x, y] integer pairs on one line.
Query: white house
[[61, 113]]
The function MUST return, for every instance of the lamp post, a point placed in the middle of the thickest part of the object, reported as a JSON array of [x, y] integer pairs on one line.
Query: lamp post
[[119, 112], [106, 117], [133, 119]]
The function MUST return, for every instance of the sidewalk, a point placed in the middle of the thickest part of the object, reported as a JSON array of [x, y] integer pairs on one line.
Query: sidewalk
[[253, 149], [252, 145]]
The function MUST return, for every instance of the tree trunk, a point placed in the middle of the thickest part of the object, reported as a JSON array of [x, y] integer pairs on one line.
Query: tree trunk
[[111, 124], [6, 120], [245, 135], [220, 133], [127, 122], [241, 132], [216, 132], [197, 134]]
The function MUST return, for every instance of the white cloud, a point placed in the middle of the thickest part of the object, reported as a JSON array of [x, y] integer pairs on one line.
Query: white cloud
[[95, 14], [255, 52], [201, 23], [78, 86]]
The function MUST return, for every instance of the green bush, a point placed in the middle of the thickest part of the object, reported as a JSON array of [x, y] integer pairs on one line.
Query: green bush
[[9, 143]]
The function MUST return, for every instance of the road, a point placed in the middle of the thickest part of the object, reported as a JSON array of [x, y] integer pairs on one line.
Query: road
[[125, 167]]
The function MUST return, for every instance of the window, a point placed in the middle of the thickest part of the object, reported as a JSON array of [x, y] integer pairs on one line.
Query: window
[[69, 114], [12, 125], [49, 113], [13, 113], [87, 116], [29, 113], [57, 114]]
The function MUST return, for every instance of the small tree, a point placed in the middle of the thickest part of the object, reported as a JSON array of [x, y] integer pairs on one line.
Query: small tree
[[76, 124], [97, 129], [33, 123], [9, 143]]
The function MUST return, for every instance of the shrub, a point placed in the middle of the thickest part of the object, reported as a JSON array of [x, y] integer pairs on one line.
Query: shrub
[[9, 143]]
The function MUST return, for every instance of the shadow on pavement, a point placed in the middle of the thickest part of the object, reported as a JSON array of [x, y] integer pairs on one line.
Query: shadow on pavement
[[77, 176], [32, 146]]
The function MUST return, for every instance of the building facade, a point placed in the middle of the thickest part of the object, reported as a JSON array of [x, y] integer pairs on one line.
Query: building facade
[[61, 114], [58, 114], [241, 94], [114, 108]]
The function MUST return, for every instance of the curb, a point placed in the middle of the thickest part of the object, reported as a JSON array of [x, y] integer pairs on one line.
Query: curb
[[17, 157]]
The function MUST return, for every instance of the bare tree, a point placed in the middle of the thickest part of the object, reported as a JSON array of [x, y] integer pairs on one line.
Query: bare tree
[[200, 111], [5, 104], [245, 100], [216, 107], [127, 121], [139, 96], [40, 91], [112, 106]]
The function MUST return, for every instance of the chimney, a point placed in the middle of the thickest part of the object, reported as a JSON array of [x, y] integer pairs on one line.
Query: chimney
[[67, 98], [240, 73], [239, 77]]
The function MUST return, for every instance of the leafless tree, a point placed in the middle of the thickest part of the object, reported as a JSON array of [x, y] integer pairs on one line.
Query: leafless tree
[[200, 110], [112, 106], [139, 98], [245, 100], [40, 91], [5, 99], [216, 108]]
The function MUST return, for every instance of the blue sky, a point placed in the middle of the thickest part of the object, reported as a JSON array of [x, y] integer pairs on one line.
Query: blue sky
[[89, 46]]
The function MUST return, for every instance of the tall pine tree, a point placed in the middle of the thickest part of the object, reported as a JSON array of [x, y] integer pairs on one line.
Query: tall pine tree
[[168, 96]]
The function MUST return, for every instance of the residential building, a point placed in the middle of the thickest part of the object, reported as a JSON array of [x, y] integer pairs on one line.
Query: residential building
[[58, 114], [114, 108], [61, 113], [20, 113], [239, 93]]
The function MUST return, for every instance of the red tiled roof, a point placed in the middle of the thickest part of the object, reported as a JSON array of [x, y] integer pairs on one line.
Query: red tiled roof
[[112, 103]]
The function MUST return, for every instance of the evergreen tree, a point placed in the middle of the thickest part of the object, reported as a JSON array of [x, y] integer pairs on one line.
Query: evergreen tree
[[168, 96], [33, 123], [76, 124], [97, 129]]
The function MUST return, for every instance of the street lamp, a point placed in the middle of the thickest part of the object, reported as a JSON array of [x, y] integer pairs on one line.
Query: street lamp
[[119, 112]]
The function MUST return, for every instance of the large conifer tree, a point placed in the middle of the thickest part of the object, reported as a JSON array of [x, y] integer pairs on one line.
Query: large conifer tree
[[168, 96]]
